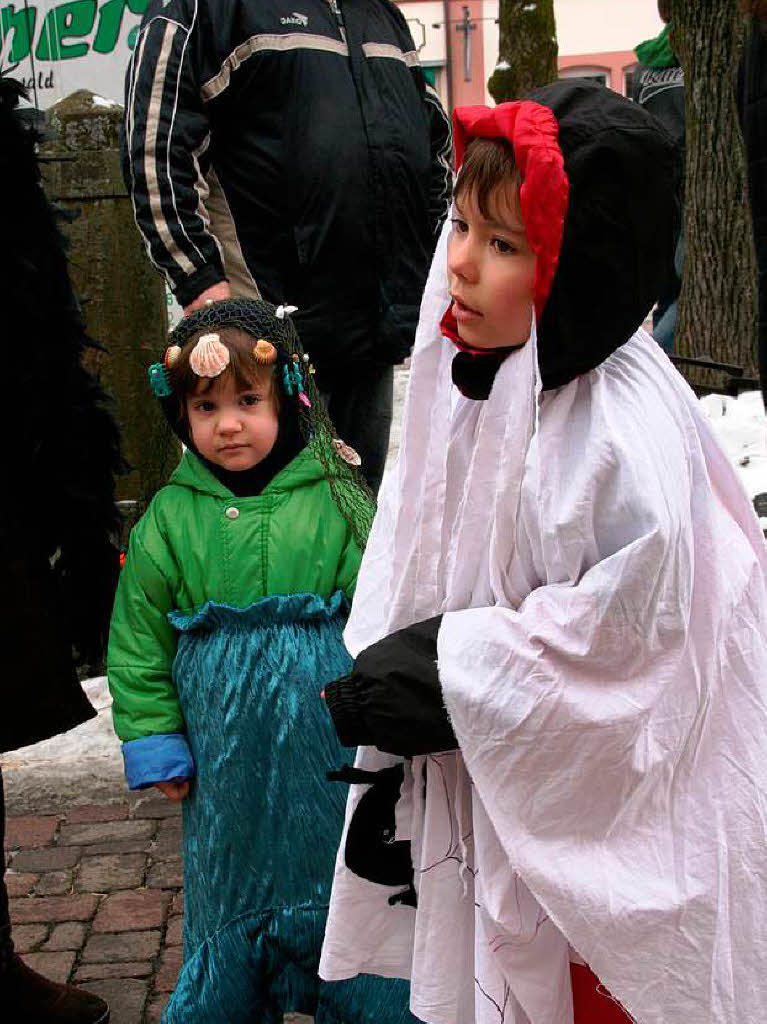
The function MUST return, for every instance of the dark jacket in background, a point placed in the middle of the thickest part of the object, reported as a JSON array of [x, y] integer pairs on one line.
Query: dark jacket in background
[[752, 99], [295, 152], [661, 92], [658, 86]]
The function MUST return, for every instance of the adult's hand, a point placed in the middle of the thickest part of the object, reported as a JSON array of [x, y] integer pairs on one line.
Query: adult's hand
[[215, 293]]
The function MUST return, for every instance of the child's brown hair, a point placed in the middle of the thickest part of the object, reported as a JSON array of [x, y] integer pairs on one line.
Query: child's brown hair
[[488, 165], [243, 366]]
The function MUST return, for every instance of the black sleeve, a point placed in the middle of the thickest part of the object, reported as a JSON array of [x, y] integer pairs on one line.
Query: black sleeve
[[165, 148], [393, 699], [441, 181]]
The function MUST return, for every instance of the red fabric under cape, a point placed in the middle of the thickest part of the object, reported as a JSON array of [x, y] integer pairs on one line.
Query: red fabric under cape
[[592, 1003]]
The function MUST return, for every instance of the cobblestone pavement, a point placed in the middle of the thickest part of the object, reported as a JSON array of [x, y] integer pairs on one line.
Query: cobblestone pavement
[[96, 896]]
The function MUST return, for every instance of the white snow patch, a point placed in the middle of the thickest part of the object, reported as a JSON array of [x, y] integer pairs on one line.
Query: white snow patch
[[740, 425], [102, 101]]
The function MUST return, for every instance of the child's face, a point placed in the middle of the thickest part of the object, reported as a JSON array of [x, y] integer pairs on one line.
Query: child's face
[[234, 427], [492, 271]]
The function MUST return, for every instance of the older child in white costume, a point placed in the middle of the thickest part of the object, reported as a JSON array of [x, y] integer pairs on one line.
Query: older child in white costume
[[565, 582], [228, 616]]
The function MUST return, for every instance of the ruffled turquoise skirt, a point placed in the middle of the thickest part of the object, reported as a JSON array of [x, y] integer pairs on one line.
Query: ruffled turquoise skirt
[[262, 825]]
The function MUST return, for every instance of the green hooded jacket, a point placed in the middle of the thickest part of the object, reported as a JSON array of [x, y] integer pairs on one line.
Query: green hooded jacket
[[197, 542]]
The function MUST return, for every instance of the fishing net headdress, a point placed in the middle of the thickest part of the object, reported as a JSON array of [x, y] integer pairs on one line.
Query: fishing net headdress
[[276, 343]]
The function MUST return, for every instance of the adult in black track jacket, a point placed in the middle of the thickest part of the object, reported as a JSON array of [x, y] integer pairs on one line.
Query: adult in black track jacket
[[291, 148]]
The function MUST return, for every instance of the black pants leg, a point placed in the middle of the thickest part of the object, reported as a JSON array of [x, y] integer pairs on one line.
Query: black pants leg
[[6, 944], [360, 405]]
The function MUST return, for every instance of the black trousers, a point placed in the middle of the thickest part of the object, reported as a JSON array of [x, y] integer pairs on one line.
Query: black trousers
[[360, 404]]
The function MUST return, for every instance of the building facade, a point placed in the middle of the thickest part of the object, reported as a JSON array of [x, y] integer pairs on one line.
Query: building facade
[[457, 42]]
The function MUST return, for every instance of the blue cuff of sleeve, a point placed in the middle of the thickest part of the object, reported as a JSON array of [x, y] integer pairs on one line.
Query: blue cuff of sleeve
[[153, 759]]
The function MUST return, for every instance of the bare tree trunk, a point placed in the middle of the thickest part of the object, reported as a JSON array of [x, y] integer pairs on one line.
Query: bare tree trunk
[[717, 317], [528, 48]]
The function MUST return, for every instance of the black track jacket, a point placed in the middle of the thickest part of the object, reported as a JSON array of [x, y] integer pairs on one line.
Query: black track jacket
[[297, 153]]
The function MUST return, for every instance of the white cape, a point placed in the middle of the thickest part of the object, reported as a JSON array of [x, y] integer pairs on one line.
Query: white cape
[[603, 661]]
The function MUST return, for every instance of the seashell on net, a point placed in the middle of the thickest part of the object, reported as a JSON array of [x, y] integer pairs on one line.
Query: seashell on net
[[264, 352], [172, 352], [346, 452], [209, 357]]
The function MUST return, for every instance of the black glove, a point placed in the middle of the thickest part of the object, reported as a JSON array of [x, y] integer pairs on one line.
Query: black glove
[[393, 699]]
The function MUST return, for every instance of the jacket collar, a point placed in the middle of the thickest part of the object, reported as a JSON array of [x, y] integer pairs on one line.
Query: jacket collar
[[304, 469]]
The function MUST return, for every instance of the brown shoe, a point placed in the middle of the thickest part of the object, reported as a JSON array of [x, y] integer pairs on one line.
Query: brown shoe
[[26, 997]]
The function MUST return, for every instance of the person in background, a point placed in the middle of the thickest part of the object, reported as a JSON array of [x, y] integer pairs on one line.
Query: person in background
[[659, 88], [298, 154], [58, 518]]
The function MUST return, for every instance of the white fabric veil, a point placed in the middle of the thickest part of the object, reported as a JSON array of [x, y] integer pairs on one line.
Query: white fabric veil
[[602, 657]]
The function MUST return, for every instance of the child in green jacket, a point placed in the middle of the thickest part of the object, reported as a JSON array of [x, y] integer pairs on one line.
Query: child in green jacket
[[227, 623]]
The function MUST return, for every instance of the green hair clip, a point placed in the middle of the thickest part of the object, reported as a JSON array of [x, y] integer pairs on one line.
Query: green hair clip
[[292, 377], [159, 381]]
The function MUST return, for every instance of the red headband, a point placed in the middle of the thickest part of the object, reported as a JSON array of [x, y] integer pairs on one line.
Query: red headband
[[532, 131]]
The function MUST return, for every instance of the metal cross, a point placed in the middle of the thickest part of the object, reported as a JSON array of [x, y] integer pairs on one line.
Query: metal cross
[[466, 26]]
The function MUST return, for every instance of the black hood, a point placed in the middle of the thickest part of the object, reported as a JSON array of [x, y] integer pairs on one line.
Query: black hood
[[621, 221]]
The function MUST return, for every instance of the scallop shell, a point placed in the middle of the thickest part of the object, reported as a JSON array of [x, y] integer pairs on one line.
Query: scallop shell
[[264, 352], [346, 452], [172, 352], [209, 356]]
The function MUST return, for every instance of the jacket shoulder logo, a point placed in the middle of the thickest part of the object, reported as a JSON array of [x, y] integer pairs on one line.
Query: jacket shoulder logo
[[653, 81], [295, 19]]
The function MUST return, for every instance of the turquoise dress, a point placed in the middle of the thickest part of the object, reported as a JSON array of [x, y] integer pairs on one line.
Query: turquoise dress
[[262, 824]]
